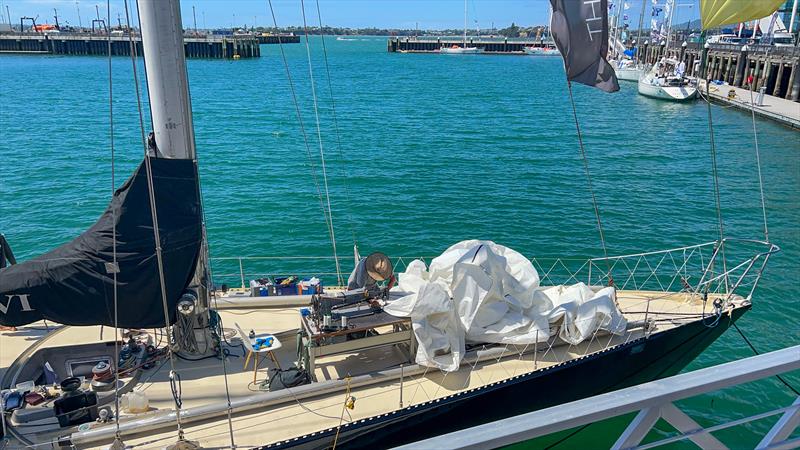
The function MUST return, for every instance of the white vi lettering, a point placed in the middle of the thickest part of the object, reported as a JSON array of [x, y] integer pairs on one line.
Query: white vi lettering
[[23, 300]]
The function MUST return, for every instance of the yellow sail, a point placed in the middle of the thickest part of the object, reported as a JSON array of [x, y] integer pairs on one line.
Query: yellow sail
[[724, 12]]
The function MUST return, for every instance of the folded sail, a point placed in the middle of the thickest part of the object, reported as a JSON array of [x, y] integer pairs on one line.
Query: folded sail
[[714, 13], [74, 284], [580, 30]]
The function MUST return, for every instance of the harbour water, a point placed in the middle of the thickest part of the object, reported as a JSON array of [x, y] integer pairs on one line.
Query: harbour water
[[434, 149]]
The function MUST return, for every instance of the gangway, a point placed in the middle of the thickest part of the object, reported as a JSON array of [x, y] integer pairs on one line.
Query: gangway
[[653, 401]]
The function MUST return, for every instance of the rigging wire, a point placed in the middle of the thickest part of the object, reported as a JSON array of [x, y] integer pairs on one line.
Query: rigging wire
[[300, 119], [715, 176], [589, 182], [319, 140], [208, 282], [336, 128], [758, 165], [156, 234], [114, 268], [753, 348]]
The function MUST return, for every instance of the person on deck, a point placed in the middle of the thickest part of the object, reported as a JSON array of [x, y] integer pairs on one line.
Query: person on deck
[[375, 267]]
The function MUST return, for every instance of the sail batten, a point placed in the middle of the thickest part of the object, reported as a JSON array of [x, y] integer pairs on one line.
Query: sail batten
[[714, 13], [73, 284]]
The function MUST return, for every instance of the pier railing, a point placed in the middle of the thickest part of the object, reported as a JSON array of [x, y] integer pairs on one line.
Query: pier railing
[[653, 401], [719, 268]]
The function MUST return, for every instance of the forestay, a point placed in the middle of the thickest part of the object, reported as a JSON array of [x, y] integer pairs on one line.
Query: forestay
[[482, 292]]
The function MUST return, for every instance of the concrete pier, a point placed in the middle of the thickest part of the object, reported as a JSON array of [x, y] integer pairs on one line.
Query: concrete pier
[[778, 109], [497, 46], [219, 47], [278, 39]]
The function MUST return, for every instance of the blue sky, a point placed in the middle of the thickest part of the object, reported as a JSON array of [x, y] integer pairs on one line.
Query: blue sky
[[353, 13]]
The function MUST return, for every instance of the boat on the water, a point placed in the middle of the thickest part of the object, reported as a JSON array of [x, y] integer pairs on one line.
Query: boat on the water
[[542, 51], [462, 49], [627, 69], [122, 339], [666, 81], [458, 50]]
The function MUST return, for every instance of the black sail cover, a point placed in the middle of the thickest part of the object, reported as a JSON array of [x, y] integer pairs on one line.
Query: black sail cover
[[580, 29], [74, 285]]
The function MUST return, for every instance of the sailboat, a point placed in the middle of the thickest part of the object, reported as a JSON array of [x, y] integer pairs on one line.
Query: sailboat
[[544, 49], [369, 367], [666, 80], [627, 69], [624, 66], [463, 49]]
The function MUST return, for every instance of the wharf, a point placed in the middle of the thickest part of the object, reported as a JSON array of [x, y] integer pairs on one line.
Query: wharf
[[218, 47], [278, 38], [778, 109], [432, 44]]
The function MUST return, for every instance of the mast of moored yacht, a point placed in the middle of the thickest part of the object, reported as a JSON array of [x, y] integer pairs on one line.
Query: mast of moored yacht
[[167, 83], [465, 23], [639, 33], [616, 34], [673, 5], [168, 91]]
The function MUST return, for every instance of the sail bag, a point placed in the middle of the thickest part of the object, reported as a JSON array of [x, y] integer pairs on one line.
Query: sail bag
[[580, 29], [74, 284]]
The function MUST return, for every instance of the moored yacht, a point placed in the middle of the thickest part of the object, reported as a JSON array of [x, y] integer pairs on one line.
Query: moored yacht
[[666, 81], [627, 69], [134, 346], [544, 50], [458, 50], [462, 49]]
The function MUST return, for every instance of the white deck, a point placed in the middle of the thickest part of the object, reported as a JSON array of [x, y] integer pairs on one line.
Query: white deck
[[203, 381]]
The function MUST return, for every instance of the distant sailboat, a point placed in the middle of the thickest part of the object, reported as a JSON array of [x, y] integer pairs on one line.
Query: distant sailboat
[[545, 49], [666, 79], [628, 70], [542, 51], [463, 49], [624, 66]]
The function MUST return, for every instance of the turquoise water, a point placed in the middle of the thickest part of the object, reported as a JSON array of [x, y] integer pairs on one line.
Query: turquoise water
[[434, 149]]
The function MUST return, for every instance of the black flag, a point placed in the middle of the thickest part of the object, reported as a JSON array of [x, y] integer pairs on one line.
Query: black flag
[[580, 29]]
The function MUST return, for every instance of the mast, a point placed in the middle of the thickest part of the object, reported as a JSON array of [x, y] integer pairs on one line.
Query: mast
[[616, 34], [171, 113], [669, 25], [167, 83], [465, 23], [639, 33]]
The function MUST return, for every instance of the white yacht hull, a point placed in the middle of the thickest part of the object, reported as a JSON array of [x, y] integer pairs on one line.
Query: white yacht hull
[[628, 73], [460, 50], [672, 93], [542, 51]]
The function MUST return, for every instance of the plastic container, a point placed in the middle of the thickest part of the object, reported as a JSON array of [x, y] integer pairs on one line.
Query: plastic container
[[135, 402], [310, 286], [290, 288], [261, 288]]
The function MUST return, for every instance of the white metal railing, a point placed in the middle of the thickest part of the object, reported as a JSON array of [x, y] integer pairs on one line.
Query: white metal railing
[[722, 268], [653, 400]]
